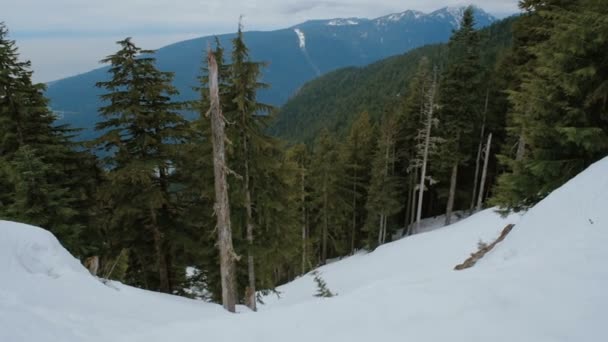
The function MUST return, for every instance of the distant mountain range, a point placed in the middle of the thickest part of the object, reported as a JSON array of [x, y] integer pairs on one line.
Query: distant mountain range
[[295, 56]]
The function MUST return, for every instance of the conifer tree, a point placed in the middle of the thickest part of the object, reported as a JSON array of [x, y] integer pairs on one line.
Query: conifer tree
[[458, 101], [299, 156], [358, 154], [328, 193], [384, 192], [561, 102], [248, 117], [43, 179], [142, 129]]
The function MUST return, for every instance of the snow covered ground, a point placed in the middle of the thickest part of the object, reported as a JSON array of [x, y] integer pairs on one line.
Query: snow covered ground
[[547, 281]]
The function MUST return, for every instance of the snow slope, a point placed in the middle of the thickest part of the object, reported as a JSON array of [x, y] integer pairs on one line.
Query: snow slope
[[546, 281]]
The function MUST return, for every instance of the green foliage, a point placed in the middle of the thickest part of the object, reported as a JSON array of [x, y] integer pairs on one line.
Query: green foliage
[[322, 289], [384, 197], [558, 108], [44, 180], [144, 130]]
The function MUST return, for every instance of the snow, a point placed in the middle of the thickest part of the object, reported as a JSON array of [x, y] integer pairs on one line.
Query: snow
[[343, 22], [545, 282], [301, 38]]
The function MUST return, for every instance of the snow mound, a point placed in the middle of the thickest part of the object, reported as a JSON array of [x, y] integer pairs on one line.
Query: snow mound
[[546, 282], [32, 250]]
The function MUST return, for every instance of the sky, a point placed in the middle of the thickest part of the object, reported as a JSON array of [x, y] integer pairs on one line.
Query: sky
[[66, 37]]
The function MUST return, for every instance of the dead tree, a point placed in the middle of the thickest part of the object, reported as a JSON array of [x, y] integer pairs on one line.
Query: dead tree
[[484, 173], [429, 108], [479, 148], [222, 206]]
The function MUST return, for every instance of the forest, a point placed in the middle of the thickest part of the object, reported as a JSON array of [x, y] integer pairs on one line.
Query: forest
[[496, 117]]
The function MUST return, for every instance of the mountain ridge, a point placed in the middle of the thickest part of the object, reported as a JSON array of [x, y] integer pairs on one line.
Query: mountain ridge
[[295, 55]]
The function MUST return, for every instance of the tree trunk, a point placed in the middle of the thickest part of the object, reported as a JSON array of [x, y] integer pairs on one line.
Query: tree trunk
[[250, 290], [450, 206], [354, 223], [408, 206], [325, 224], [222, 205], [484, 173], [161, 261], [521, 147], [412, 229], [427, 142], [303, 199], [479, 148]]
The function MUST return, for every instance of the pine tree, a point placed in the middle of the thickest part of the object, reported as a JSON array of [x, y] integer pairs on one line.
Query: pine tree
[[142, 130], [328, 197], [357, 155], [249, 139], [43, 179], [458, 101], [559, 109], [384, 192]]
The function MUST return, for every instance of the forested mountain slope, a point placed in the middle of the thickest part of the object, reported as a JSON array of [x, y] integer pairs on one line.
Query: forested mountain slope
[[334, 100]]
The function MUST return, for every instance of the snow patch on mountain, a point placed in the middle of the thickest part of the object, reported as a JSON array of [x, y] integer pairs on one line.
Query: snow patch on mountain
[[343, 22], [301, 38]]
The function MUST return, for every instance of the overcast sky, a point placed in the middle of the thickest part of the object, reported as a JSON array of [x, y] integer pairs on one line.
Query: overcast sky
[[67, 37]]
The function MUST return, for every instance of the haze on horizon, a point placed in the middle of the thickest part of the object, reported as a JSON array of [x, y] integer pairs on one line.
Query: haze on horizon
[[66, 37]]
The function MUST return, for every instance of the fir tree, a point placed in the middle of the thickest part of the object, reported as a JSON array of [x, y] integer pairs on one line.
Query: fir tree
[[458, 101], [328, 196], [142, 130], [44, 180], [384, 192], [559, 109], [357, 155]]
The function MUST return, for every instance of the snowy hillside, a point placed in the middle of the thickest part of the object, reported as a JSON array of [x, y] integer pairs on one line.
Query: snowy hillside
[[546, 281]]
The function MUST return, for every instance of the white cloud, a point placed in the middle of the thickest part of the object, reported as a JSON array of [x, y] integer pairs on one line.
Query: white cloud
[[45, 29]]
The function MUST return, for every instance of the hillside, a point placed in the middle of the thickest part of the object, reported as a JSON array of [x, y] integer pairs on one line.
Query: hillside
[[545, 282], [334, 100], [294, 55]]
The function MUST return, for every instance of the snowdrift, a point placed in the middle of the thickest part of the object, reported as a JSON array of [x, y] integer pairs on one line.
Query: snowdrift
[[546, 281]]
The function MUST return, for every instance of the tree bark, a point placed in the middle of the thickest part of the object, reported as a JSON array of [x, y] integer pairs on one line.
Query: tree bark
[[427, 142], [450, 205], [354, 223], [222, 205], [325, 224], [303, 199], [479, 148], [484, 173], [250, 291]]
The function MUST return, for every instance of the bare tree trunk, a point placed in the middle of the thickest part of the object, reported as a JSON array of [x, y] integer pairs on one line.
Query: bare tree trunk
[[484, 173], [412, 229], [159, 250], [478, 159], [427, 142], [325, 225], [354, 223], [380, 227], [222, 206], [250, 290], [521, 147], [450, 206], [408, 206], [304, 230]]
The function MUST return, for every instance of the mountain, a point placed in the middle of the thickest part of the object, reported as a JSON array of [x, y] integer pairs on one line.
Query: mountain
[[295, 55], [333, 100], [551, 268]]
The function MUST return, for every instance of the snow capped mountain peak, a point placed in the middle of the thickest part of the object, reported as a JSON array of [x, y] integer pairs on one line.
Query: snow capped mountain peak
[[454, 14], [343, 22]]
